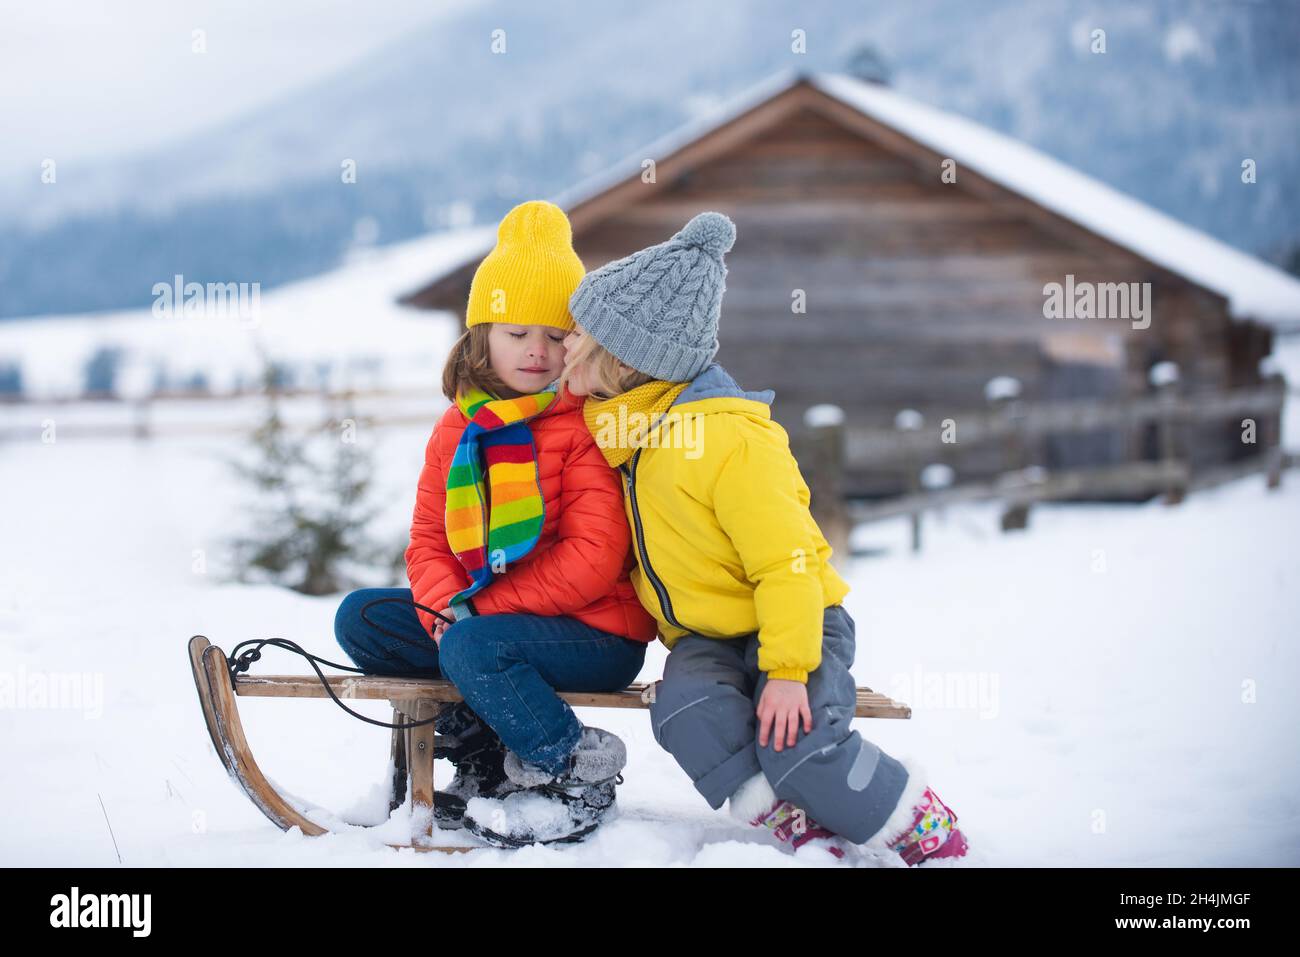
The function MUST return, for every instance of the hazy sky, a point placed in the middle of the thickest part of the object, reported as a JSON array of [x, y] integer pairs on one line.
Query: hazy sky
[[81, 78]]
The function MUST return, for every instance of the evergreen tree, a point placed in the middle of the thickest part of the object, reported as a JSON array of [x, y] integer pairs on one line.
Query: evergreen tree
[[310, 515]]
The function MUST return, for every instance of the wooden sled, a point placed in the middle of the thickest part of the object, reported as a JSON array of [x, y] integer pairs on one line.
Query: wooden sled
[[412, 749]]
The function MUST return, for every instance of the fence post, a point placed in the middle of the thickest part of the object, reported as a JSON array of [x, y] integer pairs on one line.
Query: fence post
[[1164, 376], [1273, 437], [1003, 393], [825, 425], [909, 422], [141, 429]]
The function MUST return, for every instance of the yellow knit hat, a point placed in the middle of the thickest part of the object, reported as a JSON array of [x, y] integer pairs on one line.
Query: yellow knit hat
[[531, 273]]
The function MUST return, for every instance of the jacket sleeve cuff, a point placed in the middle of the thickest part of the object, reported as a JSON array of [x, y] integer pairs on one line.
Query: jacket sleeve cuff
[[789, 674]]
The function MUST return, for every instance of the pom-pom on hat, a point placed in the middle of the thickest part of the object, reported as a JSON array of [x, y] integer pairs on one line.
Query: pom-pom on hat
[[657, 310]]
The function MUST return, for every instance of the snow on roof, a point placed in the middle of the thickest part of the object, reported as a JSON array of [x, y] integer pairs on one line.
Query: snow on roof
[[679, 138], [1253, 288]]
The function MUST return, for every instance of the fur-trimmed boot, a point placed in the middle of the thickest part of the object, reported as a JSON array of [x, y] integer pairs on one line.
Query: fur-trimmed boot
[[547, 808], [921, 828], [755, 803]]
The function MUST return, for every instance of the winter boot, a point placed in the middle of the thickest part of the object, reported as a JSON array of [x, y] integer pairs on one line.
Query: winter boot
[[549, 808], [921, 828], [461, 731], [479, 756], [755, 803]]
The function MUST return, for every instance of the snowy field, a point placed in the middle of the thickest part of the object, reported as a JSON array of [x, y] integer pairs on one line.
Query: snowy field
[[1115, 687]]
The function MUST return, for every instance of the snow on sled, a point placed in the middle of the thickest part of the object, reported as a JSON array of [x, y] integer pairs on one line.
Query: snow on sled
[[412, 748]]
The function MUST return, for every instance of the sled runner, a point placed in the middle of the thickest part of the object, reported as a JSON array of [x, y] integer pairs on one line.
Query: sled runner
[[412, 749]]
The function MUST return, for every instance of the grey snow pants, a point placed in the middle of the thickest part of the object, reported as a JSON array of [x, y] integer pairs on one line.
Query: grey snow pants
[[703, 715]]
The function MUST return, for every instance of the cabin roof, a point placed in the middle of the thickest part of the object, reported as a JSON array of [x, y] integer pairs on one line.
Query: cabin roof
[[1253, 288]]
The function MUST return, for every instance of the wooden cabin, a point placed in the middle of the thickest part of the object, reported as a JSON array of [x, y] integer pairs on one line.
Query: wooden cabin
[[921, 245]]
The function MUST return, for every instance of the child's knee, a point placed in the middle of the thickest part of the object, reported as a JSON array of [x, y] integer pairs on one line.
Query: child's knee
[[466, 649], [671, 690], [689, 706], [348, 630]]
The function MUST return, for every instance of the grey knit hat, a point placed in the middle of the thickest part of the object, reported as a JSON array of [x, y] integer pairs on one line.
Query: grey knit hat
[[657, 310]]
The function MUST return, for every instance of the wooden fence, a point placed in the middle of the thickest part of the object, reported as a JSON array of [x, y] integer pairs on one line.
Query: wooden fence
[[171, 414], [829, 448]]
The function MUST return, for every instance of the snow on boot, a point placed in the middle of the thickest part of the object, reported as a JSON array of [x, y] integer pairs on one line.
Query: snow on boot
[[921, 828], [479, 756], [552, 808], [756, 804], [481, 774]]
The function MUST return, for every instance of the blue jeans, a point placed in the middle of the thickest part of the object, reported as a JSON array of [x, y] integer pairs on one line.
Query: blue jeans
[[507, 667]]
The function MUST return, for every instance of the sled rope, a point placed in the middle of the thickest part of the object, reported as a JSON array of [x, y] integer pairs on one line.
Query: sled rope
[[239, 663]]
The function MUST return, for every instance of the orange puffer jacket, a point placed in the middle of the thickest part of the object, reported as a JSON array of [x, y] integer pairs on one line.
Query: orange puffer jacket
[[580, 564]]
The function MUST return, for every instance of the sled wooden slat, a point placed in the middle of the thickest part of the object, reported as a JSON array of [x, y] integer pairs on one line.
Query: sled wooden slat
[[411, 750], [870, 704]]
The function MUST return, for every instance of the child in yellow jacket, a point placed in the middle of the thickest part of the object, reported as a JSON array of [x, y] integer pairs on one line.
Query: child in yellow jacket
[[732, 565]]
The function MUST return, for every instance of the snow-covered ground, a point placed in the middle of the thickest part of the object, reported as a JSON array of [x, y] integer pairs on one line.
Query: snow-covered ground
[[1116, 686]]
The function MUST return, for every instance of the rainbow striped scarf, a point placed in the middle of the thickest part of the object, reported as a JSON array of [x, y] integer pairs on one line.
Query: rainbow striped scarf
[[497, 439]]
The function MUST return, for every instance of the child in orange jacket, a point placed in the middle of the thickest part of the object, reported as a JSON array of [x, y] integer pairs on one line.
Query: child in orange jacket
[[519, 560]]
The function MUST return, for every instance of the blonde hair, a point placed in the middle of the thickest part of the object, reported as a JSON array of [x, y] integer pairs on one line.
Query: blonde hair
[[469, 365], [607, 376]]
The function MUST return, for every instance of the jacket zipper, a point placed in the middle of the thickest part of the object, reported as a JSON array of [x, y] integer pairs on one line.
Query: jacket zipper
[[664, 601]]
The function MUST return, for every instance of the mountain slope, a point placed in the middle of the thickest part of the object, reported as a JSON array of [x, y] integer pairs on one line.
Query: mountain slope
[[442, 128]]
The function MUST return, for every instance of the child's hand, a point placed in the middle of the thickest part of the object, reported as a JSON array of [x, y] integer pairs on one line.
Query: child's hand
[[781, 705], [440, 626]]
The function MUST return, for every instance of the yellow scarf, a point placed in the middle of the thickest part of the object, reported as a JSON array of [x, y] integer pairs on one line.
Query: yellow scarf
[[621, 424]]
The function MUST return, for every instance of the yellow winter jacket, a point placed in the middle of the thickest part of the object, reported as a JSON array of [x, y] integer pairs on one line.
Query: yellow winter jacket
[[724, 540]]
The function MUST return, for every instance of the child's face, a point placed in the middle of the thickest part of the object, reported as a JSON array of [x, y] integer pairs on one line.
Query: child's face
[[577, 380], [527, 358]]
